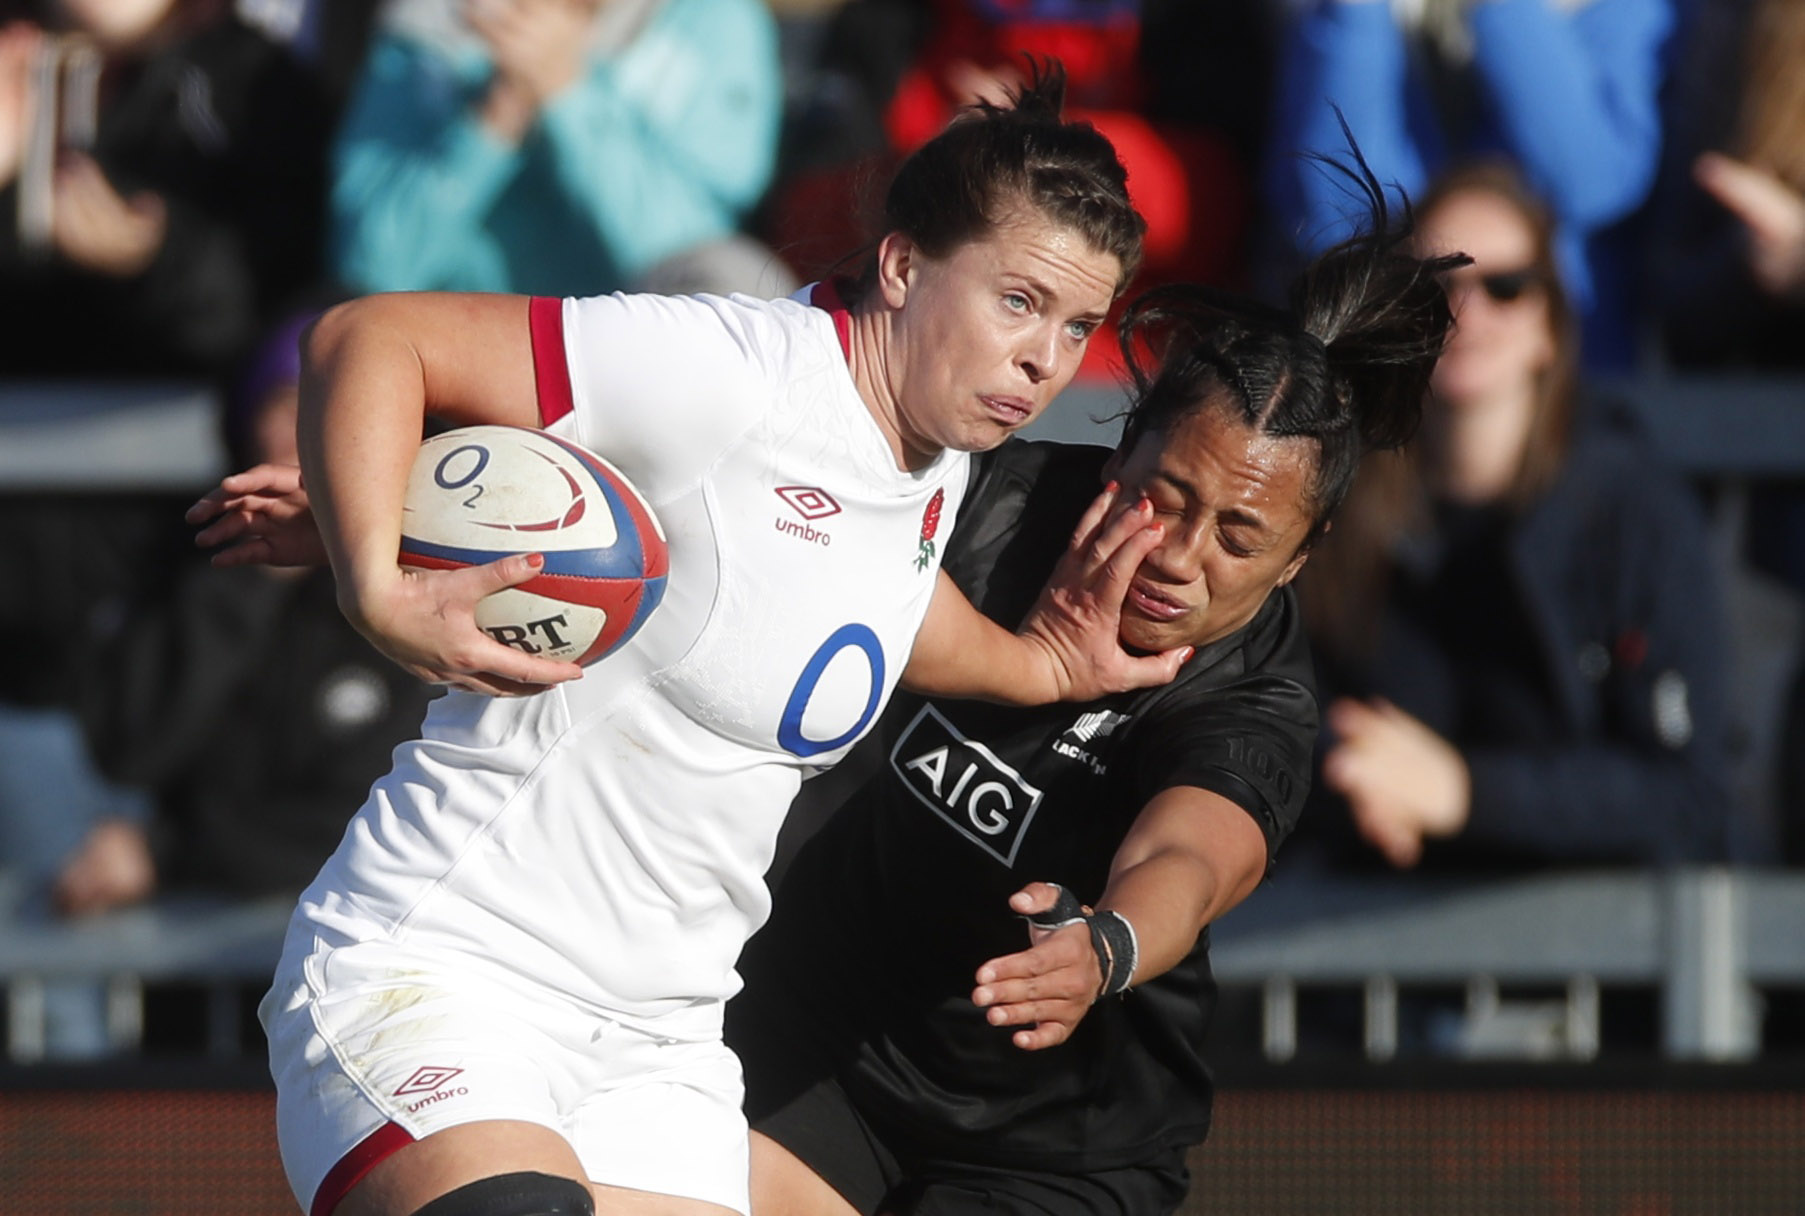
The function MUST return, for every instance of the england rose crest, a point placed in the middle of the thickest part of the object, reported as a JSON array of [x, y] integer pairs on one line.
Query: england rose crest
[[930, 524]]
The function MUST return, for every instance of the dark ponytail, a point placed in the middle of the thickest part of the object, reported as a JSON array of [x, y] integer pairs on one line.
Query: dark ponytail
[[1346, 364]]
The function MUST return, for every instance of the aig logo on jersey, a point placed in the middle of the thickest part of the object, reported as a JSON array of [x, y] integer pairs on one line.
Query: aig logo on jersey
[[964, 783]]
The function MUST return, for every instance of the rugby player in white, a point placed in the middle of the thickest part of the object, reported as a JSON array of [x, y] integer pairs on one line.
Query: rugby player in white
[[502, 997]]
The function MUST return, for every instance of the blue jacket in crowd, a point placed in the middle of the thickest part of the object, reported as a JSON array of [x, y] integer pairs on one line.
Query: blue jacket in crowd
[[1568, 90]]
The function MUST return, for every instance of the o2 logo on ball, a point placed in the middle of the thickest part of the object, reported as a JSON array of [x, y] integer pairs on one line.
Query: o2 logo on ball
[[481, 493], [964, 783]]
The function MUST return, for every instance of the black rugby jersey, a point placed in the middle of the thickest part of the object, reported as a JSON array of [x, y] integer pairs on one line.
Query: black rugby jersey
[[883, 917]]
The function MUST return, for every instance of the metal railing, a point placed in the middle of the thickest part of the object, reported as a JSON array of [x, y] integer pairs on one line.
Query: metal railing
[[1707, 938]]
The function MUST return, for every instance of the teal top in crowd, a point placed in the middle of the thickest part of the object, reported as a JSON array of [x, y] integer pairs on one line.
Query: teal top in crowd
[[665, 142]]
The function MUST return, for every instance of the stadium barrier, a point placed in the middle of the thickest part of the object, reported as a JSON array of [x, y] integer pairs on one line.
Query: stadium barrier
[[1709, 940]]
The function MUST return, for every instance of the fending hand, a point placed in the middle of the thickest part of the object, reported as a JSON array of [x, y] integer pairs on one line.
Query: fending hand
[[1077, 620]]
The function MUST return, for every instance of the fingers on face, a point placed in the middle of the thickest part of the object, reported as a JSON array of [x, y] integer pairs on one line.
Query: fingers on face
[[1129, 530], [1092, 520]]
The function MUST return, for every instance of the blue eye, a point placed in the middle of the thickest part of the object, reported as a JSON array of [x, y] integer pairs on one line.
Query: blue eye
[[1081, 330], [1016, 301]]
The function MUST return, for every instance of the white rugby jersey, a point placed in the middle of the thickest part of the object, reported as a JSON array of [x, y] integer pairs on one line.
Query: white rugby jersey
[[609, 838]]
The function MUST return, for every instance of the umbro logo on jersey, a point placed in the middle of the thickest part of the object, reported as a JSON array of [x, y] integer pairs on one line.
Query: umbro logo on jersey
[[1088, 729], [811, 503], [964, 783], [435, 1082]]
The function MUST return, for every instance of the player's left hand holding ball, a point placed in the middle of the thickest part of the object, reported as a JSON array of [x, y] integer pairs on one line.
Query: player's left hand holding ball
[[1046, 989], [425, 621]]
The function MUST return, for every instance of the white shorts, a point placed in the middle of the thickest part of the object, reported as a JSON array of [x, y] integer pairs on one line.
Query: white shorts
[[365, 1036]]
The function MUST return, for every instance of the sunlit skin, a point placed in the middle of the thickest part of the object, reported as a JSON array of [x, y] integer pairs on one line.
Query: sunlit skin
[[978, 342], [1232, 505]]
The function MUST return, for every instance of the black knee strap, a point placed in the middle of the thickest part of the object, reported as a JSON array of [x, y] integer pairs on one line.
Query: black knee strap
[[521, 1194]]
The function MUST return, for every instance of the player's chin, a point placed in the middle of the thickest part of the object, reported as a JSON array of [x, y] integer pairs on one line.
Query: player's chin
[[1142, 636]]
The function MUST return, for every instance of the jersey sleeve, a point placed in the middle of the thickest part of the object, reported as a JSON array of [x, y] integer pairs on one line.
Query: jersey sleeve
[[1250, 742], [659, 385]]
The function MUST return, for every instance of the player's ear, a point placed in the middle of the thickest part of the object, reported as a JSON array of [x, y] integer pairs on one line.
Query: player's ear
[[895, 268], [1297, 563]]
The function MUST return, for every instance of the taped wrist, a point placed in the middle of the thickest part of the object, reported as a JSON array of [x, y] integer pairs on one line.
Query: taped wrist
[[1112, 937]]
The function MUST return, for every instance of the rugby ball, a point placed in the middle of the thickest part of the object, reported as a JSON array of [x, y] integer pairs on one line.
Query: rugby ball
[[480, 493]]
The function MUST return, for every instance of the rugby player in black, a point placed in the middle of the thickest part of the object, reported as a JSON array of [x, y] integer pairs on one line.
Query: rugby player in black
[[904, 1052]]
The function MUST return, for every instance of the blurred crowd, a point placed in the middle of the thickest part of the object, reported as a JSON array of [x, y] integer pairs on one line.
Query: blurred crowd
[[1520, 623]]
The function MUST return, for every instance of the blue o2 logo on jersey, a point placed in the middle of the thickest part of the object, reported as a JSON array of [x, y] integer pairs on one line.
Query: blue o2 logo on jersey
[[789, 728], [964, 783]]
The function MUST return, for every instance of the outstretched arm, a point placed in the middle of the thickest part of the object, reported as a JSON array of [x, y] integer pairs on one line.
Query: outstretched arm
[[1190, 856], [1068, 648]]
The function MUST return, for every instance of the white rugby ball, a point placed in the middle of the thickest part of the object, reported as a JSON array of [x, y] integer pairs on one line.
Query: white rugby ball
[[480, 493]]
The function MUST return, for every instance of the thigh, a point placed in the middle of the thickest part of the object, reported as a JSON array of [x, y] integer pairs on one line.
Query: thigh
[[417, 1173], [660, 1123], [816, 1130], [782, 1183]]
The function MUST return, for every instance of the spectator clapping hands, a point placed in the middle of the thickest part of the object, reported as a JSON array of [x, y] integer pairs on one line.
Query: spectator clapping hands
[[538, 48]]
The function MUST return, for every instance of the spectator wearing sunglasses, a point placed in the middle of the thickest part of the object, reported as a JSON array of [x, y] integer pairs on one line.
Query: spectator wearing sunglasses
[[1517, 622], [1567, 90]]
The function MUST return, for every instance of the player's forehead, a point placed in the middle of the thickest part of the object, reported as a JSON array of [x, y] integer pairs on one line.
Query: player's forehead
[[1221, 462], [1025, 244]]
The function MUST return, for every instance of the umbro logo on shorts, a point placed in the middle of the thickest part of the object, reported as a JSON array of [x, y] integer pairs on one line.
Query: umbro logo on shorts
[[965, 783], [435, 1082], [427, 1079]]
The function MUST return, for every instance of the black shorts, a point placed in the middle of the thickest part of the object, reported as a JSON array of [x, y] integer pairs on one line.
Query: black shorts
[[882, 1172]]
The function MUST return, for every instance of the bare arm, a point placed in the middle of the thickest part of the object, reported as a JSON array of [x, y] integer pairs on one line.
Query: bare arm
[[373, 369], [1068, 649], [1190, 856]]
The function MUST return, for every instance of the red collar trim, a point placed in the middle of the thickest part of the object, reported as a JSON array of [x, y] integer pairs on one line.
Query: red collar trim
[[825, 295]]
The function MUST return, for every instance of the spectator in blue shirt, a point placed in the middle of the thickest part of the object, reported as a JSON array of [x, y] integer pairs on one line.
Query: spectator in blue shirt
[[1565, 89]]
